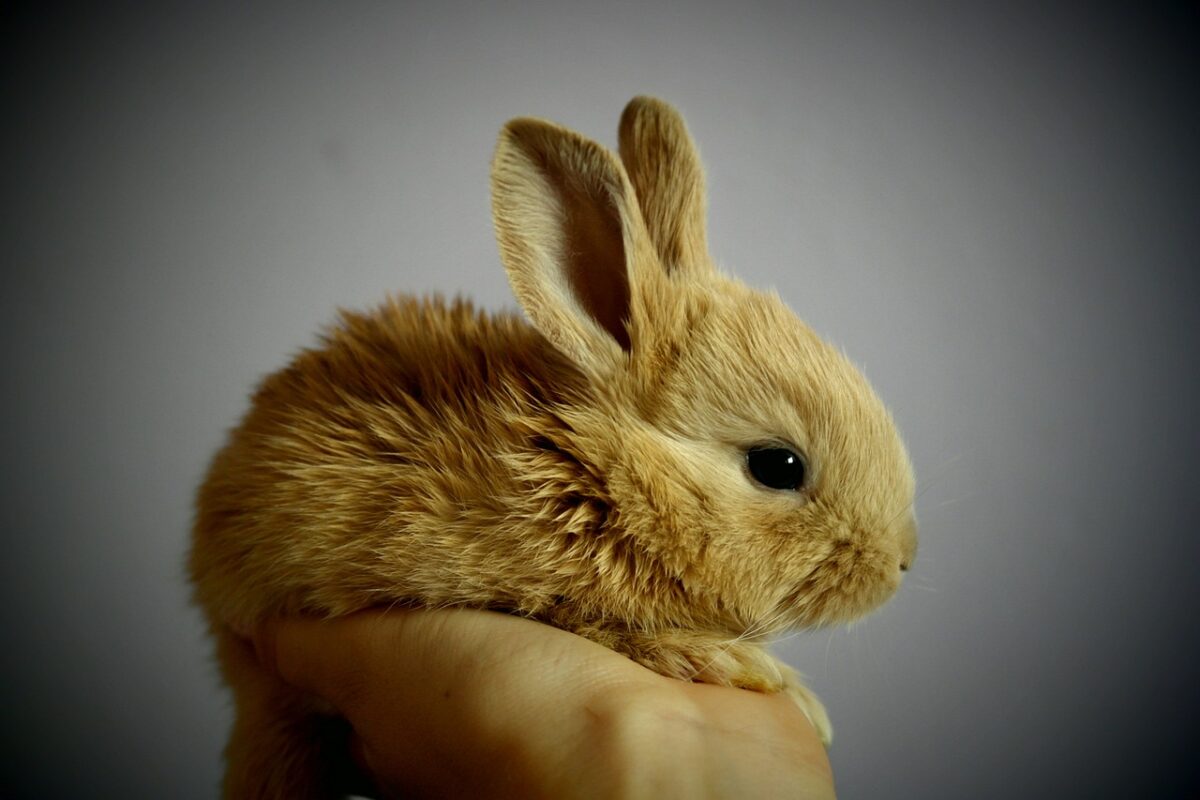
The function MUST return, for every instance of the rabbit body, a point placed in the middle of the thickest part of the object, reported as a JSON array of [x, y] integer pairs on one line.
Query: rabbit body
[[587, 468]]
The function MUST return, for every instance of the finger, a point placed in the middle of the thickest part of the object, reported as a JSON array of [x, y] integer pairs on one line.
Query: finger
[[313, 654], [333, 658]]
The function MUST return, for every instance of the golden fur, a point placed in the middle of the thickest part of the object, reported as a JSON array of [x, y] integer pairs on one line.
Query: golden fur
[[588, 470]]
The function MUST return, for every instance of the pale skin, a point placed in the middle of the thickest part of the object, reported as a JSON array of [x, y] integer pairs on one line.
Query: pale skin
[[473, 703]]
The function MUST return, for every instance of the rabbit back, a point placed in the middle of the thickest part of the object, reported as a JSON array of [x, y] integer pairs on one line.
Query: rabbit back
[[397, 462]]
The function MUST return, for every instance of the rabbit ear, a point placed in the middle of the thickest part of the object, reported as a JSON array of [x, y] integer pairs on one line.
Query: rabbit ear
[[569, 232], [667, 177]]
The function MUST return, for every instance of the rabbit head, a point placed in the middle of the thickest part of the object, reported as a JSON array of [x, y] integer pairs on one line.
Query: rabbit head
[[757, 481]]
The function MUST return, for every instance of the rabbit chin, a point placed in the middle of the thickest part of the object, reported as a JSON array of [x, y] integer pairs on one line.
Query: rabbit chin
[[849, 584]]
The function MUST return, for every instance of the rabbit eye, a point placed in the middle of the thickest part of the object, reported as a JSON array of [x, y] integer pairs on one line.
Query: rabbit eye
[[776, 467]]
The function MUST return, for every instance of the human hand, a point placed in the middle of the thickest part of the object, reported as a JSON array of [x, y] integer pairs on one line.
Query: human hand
[[473, 703]]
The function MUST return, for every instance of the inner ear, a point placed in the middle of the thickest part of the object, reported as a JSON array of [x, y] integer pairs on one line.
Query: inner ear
[[594, 255]]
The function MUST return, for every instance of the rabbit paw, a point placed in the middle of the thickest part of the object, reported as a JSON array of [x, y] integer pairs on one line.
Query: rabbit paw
[[749, 666], [809, 703], [691, 656]]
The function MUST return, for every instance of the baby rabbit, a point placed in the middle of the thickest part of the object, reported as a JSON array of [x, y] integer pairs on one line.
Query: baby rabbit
[[661, 459]]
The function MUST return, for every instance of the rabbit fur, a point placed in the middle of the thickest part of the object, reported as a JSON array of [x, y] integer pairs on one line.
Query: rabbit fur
[[587, 470]]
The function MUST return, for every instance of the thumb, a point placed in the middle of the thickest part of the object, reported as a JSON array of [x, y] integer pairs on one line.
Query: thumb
[[326, 657]]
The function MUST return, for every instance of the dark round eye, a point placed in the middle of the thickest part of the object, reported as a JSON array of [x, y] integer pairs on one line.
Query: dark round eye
[[776, 467]]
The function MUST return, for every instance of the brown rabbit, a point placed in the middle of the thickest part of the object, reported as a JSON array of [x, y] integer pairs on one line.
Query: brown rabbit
[[665, 461]]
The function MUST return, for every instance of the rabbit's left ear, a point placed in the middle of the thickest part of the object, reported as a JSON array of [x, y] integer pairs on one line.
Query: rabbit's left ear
[[571, 238], [667, 177]]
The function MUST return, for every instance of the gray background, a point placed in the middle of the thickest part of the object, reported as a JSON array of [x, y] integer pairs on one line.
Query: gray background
[[992, 209]]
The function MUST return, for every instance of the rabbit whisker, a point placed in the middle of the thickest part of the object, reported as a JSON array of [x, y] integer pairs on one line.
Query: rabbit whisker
[[751, 632]]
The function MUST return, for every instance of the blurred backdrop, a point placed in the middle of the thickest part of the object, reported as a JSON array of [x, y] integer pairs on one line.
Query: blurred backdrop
[[991, 208]]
